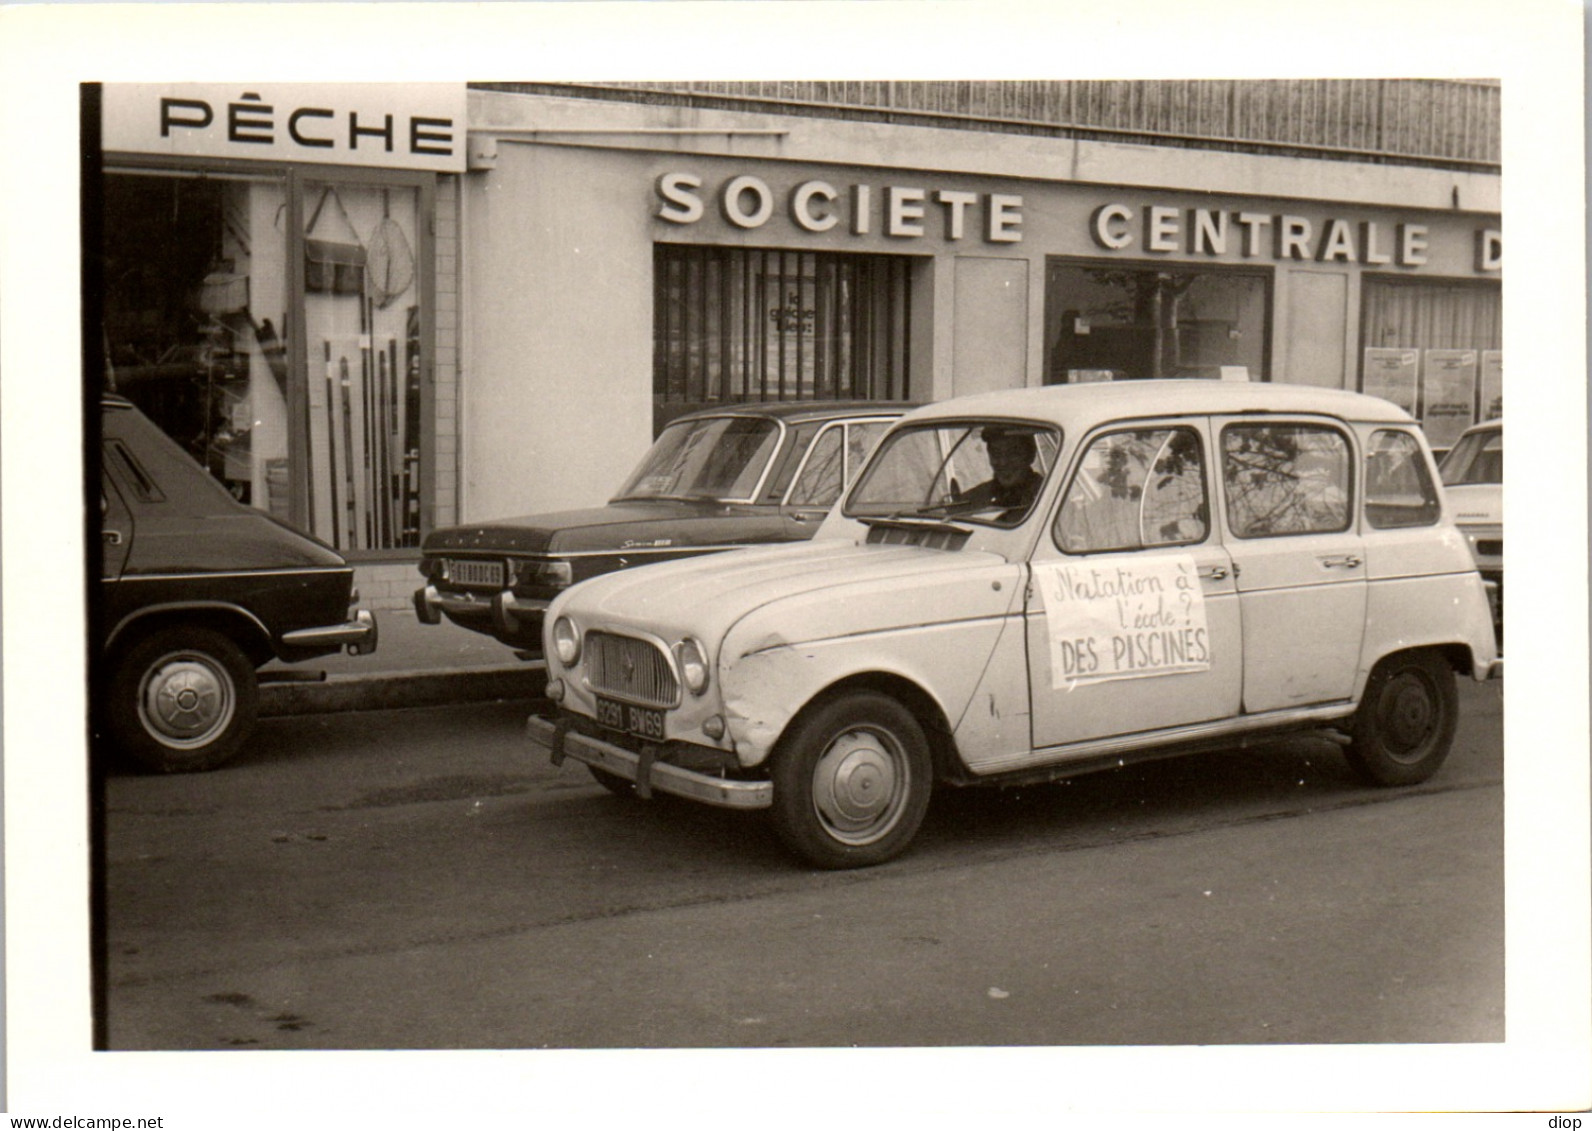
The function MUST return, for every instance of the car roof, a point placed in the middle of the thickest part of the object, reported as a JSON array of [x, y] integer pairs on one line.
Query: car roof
[[800, 411], [1084, 405], [1496, 424]]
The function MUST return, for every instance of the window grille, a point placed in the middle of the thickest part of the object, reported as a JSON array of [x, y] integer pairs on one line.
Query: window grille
[[750, 324]]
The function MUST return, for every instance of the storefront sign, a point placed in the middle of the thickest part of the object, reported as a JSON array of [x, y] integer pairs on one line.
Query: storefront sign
[[397, 125], [748, 202], [1214, 232], [1124, 620], [1393, 375], [1449, 395]]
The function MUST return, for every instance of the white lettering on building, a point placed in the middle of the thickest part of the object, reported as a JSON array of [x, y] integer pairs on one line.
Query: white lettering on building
[[1166, 229], [903, 212]]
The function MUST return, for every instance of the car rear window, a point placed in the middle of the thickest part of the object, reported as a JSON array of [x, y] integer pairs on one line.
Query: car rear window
[[1398, 487]]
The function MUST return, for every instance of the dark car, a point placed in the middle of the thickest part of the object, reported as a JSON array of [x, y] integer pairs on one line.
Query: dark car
[[713, 480], [197, 591]]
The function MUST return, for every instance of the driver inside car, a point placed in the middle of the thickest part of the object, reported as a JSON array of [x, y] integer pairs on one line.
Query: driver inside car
[[1015, 481]]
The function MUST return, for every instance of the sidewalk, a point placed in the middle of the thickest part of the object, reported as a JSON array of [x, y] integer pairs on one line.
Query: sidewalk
[[414, 665]]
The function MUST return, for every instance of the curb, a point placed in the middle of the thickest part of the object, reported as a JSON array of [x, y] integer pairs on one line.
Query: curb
[[401, 689]]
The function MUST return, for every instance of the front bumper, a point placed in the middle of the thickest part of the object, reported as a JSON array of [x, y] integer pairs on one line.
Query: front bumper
[[359, 635], [645, 770], [509, 615]]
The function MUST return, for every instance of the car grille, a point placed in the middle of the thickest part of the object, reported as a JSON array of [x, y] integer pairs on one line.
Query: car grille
[[633, 669], [467, 571], [1492, 548]]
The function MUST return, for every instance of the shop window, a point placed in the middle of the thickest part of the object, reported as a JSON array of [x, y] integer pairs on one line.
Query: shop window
[[1435, 348], [362, 361], [205, 283], [1285, 479], [1135, 490], [745, 324], [194, 301], [1117, 322]]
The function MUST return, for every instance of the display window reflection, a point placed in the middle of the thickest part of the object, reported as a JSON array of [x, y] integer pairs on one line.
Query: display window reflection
[[1115, 322], [273, 324]]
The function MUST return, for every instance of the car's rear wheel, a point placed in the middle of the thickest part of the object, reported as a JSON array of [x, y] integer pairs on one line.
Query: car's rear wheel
[[1406, 721], [182, 699], [852, 779]]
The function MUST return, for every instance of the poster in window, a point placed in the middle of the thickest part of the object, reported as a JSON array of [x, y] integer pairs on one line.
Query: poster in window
[[1448, 395], [1492, 384], [1391, 374]]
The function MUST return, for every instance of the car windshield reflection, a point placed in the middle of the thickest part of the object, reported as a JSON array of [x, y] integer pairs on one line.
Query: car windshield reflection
[[722, 457], [1477, 458], [982, 471]]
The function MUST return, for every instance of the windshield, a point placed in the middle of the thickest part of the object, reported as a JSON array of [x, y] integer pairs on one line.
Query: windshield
[[721, 457], [1477, 458], [985, 471]]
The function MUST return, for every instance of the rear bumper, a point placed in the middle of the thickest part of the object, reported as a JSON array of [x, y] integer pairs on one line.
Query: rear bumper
[[359, 636], [648, 774]]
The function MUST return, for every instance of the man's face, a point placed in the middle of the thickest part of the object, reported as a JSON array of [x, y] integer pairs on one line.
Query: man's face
[[1009, 458]]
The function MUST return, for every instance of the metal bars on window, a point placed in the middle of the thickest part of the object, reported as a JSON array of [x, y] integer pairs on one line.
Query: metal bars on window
[[753, 324]]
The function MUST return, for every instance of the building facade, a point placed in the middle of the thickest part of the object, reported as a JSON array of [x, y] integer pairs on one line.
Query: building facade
[[486, 303]]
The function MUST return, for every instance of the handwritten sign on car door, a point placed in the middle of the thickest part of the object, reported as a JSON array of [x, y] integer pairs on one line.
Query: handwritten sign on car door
[[1122, 620]]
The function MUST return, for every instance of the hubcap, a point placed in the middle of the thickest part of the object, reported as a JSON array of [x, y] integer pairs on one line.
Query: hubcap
[[857, 786], [186, 700], [1409, 713]]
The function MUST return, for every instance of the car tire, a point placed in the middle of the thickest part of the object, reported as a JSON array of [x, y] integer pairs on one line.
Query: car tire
[[613, 783], [1406, 721], [852, 778], [182, 699]]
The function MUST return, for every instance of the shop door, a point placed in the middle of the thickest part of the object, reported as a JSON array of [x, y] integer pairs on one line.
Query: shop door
[[1300, 562]]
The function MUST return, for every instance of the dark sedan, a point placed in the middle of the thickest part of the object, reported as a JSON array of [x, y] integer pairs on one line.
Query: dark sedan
[[713, 480], [196, 592]]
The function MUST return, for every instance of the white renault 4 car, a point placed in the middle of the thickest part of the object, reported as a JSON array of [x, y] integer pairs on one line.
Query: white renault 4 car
[[1034, 584]]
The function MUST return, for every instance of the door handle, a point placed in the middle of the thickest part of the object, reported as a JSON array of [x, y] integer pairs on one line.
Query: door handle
[[1213, 573], [113, 537], [1343, 561]]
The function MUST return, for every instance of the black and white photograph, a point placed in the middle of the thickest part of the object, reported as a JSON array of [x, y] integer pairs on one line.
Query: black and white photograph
[[874, 560]]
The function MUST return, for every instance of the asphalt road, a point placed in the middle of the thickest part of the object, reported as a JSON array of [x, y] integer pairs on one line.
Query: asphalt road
[[416, 879]]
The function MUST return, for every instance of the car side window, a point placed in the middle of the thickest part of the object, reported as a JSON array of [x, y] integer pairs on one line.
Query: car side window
[[1285, 479], [819, 483], [1398, 487], [862, 437], [1134, 490]]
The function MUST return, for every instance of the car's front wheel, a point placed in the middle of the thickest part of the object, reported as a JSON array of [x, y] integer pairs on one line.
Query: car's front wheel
[[182, 699], [1406, 721], [852, 779], [613, 783]]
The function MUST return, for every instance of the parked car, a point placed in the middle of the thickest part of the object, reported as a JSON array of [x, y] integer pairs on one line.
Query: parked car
[[1192, 565], [1473, 478], [713, 480], [197, 591]]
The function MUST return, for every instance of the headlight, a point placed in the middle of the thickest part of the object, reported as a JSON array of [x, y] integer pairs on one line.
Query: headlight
[[566, 641], [693, 665], [553, 575]]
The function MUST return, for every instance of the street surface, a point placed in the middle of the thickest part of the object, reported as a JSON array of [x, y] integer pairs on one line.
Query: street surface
[[417, 879]]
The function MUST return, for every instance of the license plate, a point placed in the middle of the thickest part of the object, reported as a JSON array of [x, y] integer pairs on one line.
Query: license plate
[[462, 571], [644, 721]]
